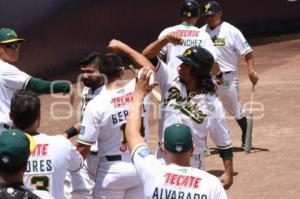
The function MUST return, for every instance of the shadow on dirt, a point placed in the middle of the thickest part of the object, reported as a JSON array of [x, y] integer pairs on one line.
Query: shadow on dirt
[[218, 173], [214, 151]]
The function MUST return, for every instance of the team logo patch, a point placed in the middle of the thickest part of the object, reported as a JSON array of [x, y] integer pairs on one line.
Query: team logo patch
[[82, 129], [207, 6], [187, 53], [144, 152], [178, 147]]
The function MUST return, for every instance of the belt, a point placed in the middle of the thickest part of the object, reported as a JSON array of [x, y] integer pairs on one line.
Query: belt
[[94, 152], [227, 72], [113, 157]]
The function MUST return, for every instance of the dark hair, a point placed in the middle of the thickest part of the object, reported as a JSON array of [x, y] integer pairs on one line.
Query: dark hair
[[110, 64], [93, 57], [24, 108], [206, 84]]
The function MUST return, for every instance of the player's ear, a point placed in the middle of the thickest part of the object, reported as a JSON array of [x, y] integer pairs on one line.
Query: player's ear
[[163, 149], [192, 149]]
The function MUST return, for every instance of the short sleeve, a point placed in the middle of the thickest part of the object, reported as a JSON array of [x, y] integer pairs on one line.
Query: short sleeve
[[147, 166], [14, 78], [240, 43], [76, 161], [90, 126]]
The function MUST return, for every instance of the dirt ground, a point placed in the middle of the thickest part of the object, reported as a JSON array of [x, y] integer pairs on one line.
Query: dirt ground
[[271, 170]]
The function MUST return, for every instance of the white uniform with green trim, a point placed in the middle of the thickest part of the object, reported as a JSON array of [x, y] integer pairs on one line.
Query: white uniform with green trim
[[230, 43], [104, 120], [80, 184], [11, 80], [173, 181], [49, 162], [203, 113], [192, 36]]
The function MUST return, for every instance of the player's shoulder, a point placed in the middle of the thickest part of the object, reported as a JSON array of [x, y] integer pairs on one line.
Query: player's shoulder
[[6, 67], [168, 30], [227, 26], [53, 140]]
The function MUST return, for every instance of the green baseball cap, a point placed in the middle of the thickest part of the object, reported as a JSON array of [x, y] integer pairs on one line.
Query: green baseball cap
[[8, 35], [14, 150], [178, 138]]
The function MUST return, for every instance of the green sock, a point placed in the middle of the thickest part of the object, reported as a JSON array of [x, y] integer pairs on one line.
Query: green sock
[[243, 124]]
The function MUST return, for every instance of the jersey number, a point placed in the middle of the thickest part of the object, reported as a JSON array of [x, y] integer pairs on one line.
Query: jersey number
[[40, 182]]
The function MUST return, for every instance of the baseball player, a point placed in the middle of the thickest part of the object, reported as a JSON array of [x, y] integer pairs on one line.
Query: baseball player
[[15, 148], [183, 36], [229, 43], [52, 155], [104, 120], [177, 179], [188, 97], [80, 184], [12, 79]]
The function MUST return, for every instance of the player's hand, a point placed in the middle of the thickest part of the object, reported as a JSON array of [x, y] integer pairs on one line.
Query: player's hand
[[226, 180], [174, 38], [115, 46], [253, 77], [143, 85]]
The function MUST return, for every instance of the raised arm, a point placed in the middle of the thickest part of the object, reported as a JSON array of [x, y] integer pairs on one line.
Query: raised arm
[[133, 126], [120, 47], [153, 49]]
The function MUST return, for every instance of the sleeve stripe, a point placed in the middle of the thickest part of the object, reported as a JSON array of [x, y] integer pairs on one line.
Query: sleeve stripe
[[136, 148], [26, 82], [85, 142]]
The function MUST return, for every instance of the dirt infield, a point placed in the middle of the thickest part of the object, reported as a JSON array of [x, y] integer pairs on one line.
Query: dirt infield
[[271, 171]]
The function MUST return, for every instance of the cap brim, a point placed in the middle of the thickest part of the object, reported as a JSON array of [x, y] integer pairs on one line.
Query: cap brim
[[187, 60], [12, 41], [209, 14]]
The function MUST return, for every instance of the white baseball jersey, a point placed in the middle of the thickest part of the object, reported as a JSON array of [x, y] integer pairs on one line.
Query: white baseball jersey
[[86, 96], [203, 113], [229, 43], [192, 36], [105, 120], [80, 184], [49, 162], [11, 79], [173, 181]]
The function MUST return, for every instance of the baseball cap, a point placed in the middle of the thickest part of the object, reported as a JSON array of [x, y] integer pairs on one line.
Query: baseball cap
[[199, 58], [8, 35], [178, 138], [211, 8], [15, 147]]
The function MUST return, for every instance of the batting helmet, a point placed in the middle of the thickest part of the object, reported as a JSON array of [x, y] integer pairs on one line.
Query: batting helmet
[[190, 8], [199, 58]]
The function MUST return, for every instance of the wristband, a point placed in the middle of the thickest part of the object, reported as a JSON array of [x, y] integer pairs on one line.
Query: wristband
[[71, 132]]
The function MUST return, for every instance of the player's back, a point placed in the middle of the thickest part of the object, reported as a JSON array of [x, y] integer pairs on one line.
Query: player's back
[[191, 35], [110, 111], [48, 163], [173, 181]]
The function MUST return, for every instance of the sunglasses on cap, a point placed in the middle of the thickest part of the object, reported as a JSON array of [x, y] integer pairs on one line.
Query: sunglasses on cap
[[12, 45]]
